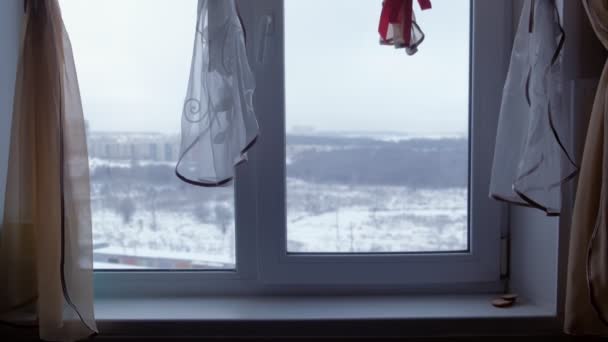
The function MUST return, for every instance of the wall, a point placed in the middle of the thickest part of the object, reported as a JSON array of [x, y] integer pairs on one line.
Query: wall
[[534, 241], [10, 27]]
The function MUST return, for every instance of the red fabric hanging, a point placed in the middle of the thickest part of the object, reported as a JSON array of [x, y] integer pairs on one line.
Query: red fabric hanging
[[399, 14]]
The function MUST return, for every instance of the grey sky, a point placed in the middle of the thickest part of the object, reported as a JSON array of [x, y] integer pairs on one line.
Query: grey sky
[[133, 59]]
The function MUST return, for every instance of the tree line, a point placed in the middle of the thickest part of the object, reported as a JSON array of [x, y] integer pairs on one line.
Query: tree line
[[417, 163]]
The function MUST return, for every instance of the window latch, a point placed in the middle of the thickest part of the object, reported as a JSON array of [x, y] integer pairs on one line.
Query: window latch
[[267, 30]]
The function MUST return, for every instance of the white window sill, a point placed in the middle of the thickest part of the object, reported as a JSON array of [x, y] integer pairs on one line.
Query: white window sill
[[322, 316]]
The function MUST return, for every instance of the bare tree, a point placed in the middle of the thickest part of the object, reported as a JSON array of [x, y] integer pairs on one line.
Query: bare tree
[[351, 228], [223, 216], [152, 196], [338, 229], [202, 213], [127, 209], [312, 204]]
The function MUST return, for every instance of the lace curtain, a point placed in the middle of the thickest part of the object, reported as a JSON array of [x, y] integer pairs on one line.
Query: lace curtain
[[218, 120]]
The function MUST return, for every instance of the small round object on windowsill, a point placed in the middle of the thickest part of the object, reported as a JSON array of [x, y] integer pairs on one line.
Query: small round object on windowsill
[[502, 303], [506, 300]]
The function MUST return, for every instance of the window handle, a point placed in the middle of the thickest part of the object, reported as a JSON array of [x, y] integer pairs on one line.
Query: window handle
[[267, 30]]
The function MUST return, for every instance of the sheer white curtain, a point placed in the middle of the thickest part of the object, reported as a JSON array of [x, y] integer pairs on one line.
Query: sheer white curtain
[[45, 243], [218, 120], [531, 158]]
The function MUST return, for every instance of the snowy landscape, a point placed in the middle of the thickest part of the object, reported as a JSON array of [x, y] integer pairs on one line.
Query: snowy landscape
[[355, 181], [346, 193]]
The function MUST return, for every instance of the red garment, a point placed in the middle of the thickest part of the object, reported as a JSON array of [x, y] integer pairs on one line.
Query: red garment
[[400, 14]]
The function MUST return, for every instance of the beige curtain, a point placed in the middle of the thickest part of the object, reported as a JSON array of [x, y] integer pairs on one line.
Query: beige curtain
[[45, 242], [587, 284]]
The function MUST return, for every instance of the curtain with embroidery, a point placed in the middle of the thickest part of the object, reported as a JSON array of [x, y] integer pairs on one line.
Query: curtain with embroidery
[[218, 120]]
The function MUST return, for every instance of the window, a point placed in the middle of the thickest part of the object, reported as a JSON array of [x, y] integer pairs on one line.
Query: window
[[143, 216], [354, 88], [371, 169], [376, 152]]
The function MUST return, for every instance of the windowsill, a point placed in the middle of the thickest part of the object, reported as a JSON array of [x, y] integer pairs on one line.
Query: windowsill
[[322, 316]]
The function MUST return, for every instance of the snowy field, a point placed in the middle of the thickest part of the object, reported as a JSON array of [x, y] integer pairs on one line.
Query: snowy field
[[364, 219], [144, 217], [321, 218]]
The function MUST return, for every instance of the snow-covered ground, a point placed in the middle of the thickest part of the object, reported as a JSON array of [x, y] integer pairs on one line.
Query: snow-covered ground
[[143, 217], [375, 219], [321, 218], [177, 236]]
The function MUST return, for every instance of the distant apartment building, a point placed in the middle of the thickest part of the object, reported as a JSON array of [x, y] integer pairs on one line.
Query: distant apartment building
[[133, 146]]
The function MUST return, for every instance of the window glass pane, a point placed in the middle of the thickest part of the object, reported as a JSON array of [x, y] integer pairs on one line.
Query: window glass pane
[[377, 141], [133, 60]]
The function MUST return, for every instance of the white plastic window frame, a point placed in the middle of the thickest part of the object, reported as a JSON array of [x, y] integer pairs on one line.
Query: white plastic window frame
[[480, 265], [262, 262]]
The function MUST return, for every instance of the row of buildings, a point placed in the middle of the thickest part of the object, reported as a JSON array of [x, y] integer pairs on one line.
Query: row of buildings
[[133, 146]]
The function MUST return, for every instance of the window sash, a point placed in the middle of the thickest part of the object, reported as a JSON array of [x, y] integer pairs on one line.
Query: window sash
[[262, 262], [489, 25]]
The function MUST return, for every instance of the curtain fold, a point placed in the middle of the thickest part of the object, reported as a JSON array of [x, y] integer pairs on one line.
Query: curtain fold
[[218, 119], [586, 309], [46, 238], [531, 158]]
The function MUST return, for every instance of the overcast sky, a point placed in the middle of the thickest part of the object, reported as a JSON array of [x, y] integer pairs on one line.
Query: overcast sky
[[133, 59]]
